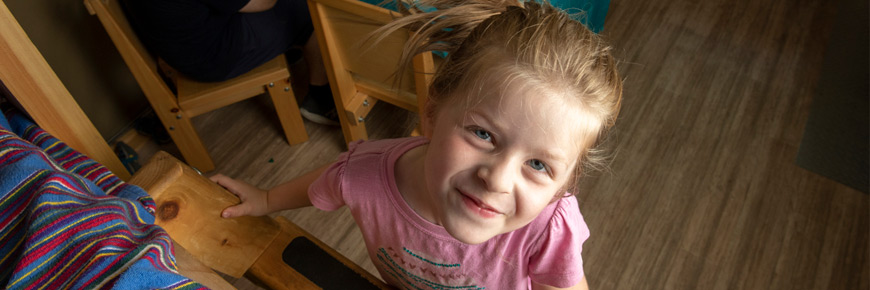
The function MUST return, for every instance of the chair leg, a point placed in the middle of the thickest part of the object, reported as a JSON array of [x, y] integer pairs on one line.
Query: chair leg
[[353, 120], [417, 131], [288, 112], [186, 139], [352, 129]]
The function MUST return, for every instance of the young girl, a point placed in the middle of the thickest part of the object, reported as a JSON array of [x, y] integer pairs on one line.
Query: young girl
[[484, 200]]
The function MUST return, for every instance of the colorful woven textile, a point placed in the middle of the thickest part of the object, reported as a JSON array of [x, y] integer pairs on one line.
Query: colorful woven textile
[[66, 222]]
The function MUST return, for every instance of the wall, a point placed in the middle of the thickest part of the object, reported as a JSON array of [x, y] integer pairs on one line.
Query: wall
[[80, 52]]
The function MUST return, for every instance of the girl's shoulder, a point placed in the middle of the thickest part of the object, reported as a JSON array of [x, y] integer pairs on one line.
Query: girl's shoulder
[[557, 251], [376, 156], [381, 146], [561, 219], [566, 209]]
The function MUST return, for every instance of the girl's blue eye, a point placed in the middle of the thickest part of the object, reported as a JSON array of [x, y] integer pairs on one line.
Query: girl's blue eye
[[482, 134], [537, 165]]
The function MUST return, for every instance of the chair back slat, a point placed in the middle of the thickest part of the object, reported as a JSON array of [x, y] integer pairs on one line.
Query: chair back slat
[[350, 23]]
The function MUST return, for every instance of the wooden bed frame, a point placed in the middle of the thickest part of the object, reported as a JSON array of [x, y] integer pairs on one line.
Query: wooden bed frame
[[188, 203], [26, 73]]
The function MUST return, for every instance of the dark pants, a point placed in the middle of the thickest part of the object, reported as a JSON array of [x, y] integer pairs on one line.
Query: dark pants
[[264, 36]]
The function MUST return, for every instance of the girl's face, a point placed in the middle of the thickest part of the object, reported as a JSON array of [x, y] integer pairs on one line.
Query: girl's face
[[493, 167]]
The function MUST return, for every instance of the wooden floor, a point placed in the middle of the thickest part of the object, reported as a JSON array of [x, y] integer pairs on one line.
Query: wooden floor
[[703, 191]]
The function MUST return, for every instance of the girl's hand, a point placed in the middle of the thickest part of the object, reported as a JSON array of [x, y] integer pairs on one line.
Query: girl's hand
[[254, 200]]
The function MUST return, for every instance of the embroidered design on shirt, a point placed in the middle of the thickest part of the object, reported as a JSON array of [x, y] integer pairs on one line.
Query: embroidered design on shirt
[[427, 261], [412, 270]]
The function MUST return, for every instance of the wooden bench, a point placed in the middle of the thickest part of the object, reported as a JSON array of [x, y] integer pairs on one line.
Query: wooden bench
[[189, 207]]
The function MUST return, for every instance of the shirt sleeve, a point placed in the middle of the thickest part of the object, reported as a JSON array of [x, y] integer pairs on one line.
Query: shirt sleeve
[[325, 192], [558, 262]]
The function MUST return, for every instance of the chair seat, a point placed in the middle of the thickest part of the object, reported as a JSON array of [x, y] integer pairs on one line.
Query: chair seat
[[197, 98], [176, 108]]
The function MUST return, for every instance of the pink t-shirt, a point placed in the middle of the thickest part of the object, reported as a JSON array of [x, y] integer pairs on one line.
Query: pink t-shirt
[[411, 252]]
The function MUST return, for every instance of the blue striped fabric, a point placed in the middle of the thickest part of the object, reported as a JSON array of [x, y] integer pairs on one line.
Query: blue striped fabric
[[68, 222]]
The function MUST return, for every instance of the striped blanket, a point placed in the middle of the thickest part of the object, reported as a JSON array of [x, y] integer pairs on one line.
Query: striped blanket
[[68, 222]]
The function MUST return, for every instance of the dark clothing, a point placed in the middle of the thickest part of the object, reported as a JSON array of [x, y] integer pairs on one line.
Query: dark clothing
[[209, 40]]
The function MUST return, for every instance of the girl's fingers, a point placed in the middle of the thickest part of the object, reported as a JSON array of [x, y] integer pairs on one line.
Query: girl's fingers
[[219, 178], [248, 195], [233, 211], [227, 183]]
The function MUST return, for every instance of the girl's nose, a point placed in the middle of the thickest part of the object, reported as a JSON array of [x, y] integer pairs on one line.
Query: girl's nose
[[497, 176]]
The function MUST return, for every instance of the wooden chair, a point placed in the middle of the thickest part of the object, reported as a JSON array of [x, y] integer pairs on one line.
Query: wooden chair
[[360, 76], [195, 98]]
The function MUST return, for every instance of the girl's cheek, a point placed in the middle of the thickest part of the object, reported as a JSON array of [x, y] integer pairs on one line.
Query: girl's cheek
[[460, 149], [448, 154], [532, 206]]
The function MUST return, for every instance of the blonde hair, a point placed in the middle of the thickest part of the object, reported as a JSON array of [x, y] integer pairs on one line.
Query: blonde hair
[[533, 41]]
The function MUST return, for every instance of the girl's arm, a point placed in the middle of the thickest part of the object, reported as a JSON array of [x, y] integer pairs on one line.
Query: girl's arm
[[258, 202], [580, 286]]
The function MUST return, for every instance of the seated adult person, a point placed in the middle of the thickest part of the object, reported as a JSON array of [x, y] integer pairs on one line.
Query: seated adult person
[[216, 40]]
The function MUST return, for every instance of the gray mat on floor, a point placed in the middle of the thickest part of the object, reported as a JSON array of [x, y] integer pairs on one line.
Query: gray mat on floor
[[837, 134]]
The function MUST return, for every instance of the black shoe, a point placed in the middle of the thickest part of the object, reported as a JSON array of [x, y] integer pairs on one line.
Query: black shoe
[[319, 111], [150, 126]]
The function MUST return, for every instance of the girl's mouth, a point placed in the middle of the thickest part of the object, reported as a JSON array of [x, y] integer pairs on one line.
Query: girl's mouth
[[478, 207]]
